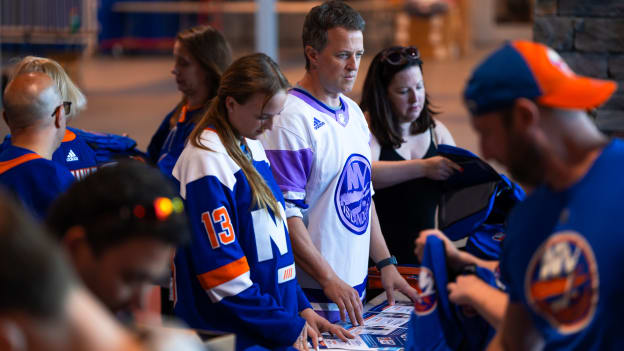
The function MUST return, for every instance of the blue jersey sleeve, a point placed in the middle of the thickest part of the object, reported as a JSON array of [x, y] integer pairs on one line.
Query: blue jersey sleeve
[[221, 266], [49, 181], [158, 139], [302, 300]]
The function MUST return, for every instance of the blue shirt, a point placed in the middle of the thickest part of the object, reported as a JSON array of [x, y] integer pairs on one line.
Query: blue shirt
[[34, 180], [563, 258], [167, 143]]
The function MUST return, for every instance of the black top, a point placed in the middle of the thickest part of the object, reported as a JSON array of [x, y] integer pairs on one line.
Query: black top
[[406, 208]]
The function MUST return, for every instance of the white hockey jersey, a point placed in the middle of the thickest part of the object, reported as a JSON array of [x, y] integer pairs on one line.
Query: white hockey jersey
[[321, 160]]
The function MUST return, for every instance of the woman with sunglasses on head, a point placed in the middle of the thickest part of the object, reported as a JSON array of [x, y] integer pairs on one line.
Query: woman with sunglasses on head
[[405, 136], [238, 274], [201, 54]]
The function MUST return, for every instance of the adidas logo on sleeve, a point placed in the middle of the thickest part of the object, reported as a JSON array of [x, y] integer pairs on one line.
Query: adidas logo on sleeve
[[71, 156]]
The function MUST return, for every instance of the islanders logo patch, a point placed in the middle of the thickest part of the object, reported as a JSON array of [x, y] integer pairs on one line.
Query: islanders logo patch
[[561, 282], [353, 194], [427, 295], [500, 236]]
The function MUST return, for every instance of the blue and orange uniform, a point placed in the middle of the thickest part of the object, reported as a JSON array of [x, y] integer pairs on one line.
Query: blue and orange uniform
[[34, 180], [167, 143], [82, 152], [238, 274], [562, 258], [76, 155]]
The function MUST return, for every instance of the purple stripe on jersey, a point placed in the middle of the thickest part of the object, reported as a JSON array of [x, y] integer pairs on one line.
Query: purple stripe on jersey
[[291, 169], [341, 116]]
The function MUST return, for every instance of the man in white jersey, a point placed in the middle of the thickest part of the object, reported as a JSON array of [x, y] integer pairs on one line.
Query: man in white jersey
[[320, 155]]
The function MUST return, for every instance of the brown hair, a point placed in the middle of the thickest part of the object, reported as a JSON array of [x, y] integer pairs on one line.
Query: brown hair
[[251, 74], [383, 122], [320, 19], [209, 47]]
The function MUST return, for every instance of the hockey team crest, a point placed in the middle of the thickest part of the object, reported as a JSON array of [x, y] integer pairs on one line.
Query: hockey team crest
[[353, 194], [500, 236], [562, 282], [427, 296]]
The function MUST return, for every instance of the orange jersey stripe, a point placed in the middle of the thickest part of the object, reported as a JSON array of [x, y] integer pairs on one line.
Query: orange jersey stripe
[[210, 129], [182, 117], [546, 289], [7, 165], [223, 274], [69, 136], [186, 109]]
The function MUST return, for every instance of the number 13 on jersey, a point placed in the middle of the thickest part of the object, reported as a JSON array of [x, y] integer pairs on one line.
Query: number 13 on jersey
[[218, 218]]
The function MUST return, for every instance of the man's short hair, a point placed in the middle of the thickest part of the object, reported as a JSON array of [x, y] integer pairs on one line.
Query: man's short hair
[[121, 202], [34, 274], [320, 19]]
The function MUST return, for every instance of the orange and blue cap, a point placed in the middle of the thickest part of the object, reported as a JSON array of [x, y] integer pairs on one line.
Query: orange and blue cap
[[533, 71]]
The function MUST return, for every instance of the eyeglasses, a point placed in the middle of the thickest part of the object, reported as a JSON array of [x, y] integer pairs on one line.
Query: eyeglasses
[[66, 106], [400, 55]]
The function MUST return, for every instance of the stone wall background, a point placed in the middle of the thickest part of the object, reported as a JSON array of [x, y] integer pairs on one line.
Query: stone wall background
[[589, 35]]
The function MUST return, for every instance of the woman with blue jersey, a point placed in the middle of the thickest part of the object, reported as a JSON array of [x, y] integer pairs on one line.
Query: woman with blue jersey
[[201, 54], [238, 274]]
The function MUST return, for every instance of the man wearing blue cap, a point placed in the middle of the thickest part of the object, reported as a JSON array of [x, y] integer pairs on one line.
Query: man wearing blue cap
[[563, 251]]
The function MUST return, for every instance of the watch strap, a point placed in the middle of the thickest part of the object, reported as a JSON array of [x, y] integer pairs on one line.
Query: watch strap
[[386, 261]]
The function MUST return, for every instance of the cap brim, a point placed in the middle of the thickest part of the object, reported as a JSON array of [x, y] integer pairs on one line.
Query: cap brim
[[579, 93]]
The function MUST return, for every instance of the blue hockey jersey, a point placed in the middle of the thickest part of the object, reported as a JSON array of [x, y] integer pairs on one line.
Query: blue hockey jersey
[[562, 258], [167, 143], [81, 152], [238, 273], [437, 323], [34, 180]]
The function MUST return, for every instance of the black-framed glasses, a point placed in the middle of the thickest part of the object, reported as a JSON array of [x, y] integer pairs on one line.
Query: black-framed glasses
[[400, 55], [66, 107]]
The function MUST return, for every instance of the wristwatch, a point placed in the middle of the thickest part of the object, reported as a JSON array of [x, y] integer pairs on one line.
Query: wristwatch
[[386, 261]]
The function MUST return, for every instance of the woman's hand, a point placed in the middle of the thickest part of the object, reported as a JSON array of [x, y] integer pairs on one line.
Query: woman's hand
[[440, 168], [319, 325], [301, 343]]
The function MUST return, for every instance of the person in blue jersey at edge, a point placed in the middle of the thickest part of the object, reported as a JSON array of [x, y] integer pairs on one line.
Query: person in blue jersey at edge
[[238, 274], [562, 256], [201, 54], [80, 151], [404, 148], [36, 116]]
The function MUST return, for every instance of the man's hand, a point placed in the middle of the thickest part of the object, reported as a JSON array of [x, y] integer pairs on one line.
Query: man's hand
[[453, 255], [320, 325], [460, 291], [346, 298], [391, 280]]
